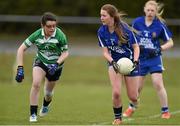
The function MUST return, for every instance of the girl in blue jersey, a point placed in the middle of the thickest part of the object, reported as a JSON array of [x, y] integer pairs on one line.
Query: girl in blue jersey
[[117, 41], [151, 29]]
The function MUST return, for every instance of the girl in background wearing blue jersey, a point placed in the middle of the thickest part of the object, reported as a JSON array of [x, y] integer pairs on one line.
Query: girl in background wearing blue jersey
[[151, 29], [52, 51], [117, 41]]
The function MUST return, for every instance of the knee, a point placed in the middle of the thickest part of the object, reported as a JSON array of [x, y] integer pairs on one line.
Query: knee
[[133, 98], [48, 95], [36, 85], [159, 86], [116, 95]]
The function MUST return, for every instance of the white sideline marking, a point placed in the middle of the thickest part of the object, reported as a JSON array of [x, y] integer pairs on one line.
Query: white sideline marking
[[140, 118]]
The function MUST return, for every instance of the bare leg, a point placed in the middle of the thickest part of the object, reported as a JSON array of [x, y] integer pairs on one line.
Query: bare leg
[[159, 86], [38, 76], [116, 82], [48, 94], [134, 86], [48, 89]]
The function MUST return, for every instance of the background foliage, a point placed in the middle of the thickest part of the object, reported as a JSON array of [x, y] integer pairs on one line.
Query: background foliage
[[76, 8], [81, 7]]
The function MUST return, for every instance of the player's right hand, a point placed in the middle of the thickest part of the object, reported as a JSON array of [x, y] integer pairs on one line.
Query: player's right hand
[[141, 47], [135, 65], [115, 66], [20, 74], [52, 68]]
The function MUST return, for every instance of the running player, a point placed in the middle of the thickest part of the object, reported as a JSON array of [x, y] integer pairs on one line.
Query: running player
[[151, 29], [52, 51], [117, 41]]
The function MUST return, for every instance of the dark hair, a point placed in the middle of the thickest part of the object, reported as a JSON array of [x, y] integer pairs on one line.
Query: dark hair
[[48, 16]]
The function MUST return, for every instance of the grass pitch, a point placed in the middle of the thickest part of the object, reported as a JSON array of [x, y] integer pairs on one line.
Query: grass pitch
[[83, 95]]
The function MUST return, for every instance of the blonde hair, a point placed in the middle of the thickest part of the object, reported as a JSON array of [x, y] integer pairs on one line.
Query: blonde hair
[[118, 23], [159, 7]]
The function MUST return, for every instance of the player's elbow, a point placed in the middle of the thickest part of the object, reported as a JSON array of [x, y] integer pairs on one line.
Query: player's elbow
[[21, 49], [171, 43], [66, 54]]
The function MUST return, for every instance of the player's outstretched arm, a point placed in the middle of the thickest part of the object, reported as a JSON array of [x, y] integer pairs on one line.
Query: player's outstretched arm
[[20, 69], [20, 54]]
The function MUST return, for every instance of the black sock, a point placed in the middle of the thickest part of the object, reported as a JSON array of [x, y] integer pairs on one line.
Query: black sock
[[118, 112], [164, 109], [33, 109], [46, 103], [132, 105]]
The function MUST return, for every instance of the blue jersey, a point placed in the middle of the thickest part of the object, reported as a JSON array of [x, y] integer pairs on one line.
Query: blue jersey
[[150, 36], [112, 42]]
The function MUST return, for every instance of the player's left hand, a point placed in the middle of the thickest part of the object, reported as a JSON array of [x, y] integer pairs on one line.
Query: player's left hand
[[135, 65], [52, 68], [141, 48], [154, 52]]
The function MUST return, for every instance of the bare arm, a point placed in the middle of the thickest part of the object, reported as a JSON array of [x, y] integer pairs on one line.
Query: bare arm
[[167, 45], [20, 54], [107, 55], [63, 56], [136, 51]]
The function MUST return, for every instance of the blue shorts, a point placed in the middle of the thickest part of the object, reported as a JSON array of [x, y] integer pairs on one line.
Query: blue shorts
[[135, 72], [151, 65]]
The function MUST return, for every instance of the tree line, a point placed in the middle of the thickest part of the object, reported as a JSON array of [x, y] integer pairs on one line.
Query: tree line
[[133, 8]]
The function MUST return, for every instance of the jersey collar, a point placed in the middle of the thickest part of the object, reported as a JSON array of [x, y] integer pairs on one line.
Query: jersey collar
[[43, 34], [154, 20]]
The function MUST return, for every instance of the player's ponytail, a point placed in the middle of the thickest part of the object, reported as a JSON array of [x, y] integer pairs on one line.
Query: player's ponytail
[[118, 23], [160, 11]]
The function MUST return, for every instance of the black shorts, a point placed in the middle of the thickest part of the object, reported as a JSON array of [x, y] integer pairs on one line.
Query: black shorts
[[54, 77]]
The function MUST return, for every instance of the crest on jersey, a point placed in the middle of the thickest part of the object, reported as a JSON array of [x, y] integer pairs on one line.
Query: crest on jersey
[[154, 35]]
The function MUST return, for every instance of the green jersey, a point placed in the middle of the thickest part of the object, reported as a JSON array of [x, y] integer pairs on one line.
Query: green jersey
[[49, 49]]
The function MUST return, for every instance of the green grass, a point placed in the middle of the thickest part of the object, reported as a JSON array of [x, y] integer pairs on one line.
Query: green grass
[[83, 95]]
